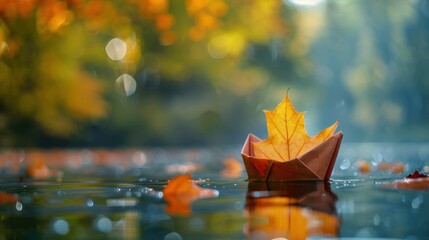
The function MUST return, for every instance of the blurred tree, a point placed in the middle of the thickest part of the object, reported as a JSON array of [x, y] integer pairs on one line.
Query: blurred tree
[[191, 61]]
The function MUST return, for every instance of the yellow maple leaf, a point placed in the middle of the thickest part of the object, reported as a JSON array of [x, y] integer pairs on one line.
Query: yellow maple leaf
[[287, 136]]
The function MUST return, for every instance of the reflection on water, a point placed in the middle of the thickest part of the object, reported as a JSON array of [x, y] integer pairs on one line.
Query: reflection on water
[[291, 210]]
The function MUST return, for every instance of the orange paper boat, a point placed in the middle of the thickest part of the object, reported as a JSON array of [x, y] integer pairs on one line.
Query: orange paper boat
[[316, 164]]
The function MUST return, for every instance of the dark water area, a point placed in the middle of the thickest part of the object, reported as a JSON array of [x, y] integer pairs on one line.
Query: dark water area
[[118, 194]]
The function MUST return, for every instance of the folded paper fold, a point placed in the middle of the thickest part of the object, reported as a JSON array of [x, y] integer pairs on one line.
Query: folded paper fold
[[316, 164]]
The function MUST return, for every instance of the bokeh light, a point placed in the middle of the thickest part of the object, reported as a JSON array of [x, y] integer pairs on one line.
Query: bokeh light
[[305, 3], [127, 84], [116, 49], [61, 227]]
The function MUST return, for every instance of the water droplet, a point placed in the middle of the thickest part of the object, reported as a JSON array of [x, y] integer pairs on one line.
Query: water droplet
[[376, 220], [345, 164], [417, 202], [18, 206], [61, 227], [89, 203], [103, 224], [116, 49], [127, 84], [160, 194]]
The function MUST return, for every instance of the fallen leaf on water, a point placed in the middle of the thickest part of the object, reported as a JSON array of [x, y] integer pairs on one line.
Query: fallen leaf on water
[[416, 174], [287, 136], [393, 167], [180, 192], [232, 169], [6, 198], [38, 169], [414, 181], [363, 166]]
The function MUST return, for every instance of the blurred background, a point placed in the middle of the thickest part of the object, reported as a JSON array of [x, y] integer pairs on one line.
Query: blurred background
[[119, 73]]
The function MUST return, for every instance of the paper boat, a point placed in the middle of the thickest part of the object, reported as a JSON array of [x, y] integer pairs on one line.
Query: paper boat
[[316, 164]]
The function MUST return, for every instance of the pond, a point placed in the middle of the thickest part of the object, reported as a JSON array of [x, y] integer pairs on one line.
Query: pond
[[118, 194]]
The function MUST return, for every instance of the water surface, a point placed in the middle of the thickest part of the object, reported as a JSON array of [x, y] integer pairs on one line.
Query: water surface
[[117, 194]]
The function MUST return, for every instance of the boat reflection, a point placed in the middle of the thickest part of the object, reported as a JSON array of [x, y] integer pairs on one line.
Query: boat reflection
[[287, 210]]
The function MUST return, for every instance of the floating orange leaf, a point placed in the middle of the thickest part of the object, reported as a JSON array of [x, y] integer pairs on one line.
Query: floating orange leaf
[[181, 192], [416, 174], [393, 167], [415, 181], [232, 168], [287, 136], [37, 167], [363, 166], [6, 198]]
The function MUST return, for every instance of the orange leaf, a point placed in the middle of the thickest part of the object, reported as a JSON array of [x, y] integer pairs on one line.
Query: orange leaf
[[37, 167], [180, 192], [232, 168], [287, 136], [393, 167], [6, 198], [414, 181]]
